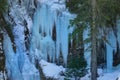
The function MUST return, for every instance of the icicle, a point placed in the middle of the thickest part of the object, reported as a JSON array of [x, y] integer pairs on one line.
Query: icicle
[[46, 18], [87, 54], [64, 23], [118, 31], [57, 39], [111, 47]]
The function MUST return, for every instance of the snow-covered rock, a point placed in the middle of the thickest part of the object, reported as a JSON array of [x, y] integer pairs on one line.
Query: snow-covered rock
[[50, 70]]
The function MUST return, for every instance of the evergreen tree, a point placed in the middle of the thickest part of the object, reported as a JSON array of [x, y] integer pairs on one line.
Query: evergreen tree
[[98, 14], [3, 6], [93, 41]]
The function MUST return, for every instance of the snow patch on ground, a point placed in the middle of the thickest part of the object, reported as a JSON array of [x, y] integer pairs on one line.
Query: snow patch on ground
[[104, 76], [109, 76], [51, 70]]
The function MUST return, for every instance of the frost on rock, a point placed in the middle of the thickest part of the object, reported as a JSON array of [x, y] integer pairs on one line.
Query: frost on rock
[[17, 63], [50, 31], [51, 70], [3, 75]]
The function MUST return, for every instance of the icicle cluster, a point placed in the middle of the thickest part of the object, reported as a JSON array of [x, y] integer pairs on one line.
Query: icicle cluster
[[50, 31]]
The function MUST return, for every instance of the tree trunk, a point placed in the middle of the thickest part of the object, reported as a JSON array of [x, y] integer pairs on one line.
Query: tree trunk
[[93, 43]]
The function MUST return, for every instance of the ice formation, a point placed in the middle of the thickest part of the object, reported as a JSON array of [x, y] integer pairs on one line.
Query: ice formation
[[12, 67], [49, 37], [18, 65], [50, 31], [111, 48]]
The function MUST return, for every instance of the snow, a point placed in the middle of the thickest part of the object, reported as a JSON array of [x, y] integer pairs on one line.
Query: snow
[[118, 77], [3, 75], [51, 70], [104, 76], [109, 76], [58, 5]]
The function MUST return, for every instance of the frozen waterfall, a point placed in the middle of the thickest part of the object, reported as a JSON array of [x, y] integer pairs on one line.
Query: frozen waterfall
[[12, 67], [44, 25], [111, 49], [18, 65], [50, 31]]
